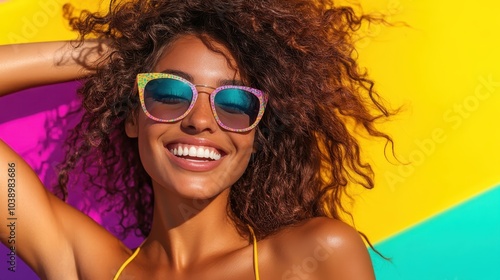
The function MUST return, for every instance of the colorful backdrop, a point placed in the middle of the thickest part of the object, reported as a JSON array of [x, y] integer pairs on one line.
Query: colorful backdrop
[[436, 212]]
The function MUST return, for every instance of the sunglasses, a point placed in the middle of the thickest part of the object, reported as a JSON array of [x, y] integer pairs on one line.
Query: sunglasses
[[168, 98]]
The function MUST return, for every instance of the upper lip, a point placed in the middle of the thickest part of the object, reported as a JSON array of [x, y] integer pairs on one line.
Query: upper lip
[[197, 142]]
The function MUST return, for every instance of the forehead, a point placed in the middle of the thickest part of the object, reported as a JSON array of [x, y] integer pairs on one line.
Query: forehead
[[191, 55]]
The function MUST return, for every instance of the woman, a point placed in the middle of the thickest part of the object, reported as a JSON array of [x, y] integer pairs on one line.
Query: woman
[[232, 114]]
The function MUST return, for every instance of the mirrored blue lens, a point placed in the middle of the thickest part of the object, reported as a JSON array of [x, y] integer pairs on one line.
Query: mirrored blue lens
[[236, 108], [167, 98]]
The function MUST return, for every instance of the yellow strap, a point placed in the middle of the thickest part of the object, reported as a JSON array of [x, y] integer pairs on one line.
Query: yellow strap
[[130, 259], [255, 256]]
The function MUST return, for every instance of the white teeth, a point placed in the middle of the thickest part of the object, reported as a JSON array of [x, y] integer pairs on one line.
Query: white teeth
[[192, 152], [199, 152]]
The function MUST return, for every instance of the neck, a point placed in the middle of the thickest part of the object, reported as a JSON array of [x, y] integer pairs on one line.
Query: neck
[[187, 231]]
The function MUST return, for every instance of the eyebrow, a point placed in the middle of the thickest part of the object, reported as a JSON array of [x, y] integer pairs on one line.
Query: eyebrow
[[221, 82]]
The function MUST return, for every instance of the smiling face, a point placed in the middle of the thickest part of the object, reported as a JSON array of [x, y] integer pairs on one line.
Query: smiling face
[[193, 157]]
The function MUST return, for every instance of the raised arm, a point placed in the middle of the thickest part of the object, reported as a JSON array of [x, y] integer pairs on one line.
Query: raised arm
[[49, 235], [28, 65]]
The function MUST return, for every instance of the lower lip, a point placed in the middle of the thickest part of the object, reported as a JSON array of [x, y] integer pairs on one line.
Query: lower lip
[[191, 165]]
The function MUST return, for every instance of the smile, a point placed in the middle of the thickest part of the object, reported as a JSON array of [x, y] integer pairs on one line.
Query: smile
[[194, 152]]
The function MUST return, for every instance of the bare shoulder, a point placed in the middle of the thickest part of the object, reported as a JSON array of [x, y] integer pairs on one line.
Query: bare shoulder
[[322, 248]]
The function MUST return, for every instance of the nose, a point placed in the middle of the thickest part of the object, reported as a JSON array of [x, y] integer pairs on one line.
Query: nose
[[201, 117]]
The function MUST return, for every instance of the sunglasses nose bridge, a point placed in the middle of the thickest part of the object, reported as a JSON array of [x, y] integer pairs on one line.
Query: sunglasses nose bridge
[[204, 87], [200, 117]]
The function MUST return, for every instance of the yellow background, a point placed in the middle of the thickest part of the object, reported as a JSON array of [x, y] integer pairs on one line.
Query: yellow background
[[436, 70], [440, 63]]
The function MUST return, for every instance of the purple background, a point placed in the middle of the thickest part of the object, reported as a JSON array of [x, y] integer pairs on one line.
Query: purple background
[[34, 123]]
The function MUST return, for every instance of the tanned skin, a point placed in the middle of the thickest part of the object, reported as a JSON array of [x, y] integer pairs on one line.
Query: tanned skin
[[60, 242]]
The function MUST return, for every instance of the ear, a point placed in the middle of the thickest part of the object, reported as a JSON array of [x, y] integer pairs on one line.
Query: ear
[[131, 127]]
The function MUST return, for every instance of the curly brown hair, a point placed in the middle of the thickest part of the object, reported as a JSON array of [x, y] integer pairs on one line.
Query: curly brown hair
[[300, 52]]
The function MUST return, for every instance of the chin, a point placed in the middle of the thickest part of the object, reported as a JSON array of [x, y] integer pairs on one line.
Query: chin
[[197, 189]]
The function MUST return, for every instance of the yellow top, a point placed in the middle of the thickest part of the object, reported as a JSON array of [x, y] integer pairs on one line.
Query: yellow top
[[255, 258]]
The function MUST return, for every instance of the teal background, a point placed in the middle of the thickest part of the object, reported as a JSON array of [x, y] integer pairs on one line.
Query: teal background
[[462, 243]]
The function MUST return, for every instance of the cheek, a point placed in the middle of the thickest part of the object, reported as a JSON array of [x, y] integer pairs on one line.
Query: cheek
[[245, 146], [244, 142], [150, 149], [147, 132]]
